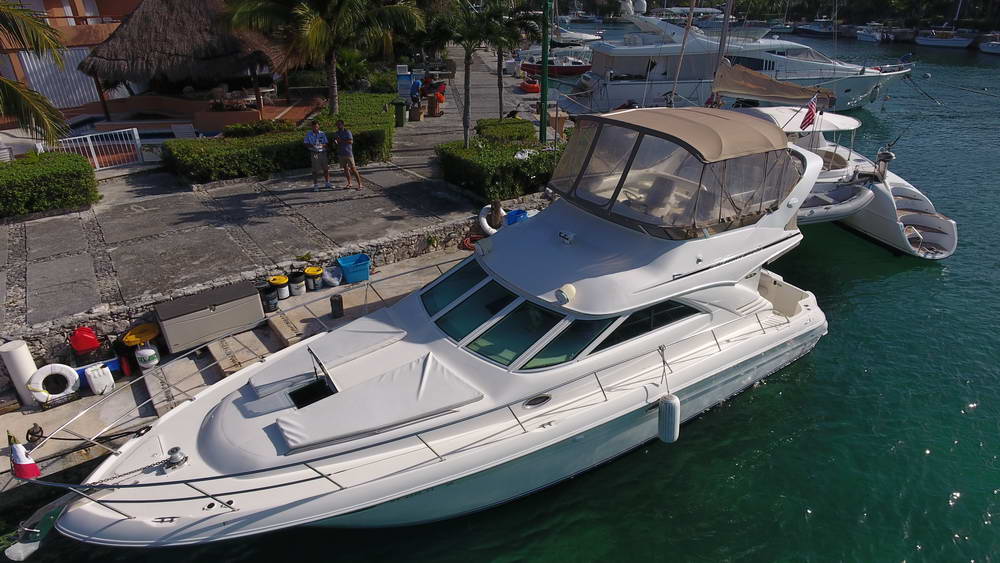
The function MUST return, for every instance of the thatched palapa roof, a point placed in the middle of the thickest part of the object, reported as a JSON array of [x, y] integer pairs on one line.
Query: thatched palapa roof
[[178, 40]]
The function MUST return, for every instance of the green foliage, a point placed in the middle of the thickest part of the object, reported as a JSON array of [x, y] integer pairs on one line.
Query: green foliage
[[42, 182], [383, 82], [492, 169], [258, 128], [506, 130], [208, 160], [307, 78], [351, 67]]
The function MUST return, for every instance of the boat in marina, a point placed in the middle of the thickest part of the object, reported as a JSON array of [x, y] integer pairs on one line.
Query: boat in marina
[[780, 26], [559, 65], [861, 193], [942, 38], [547, 352], [991, 44], [643, 69], [874, 32], [823, 28]]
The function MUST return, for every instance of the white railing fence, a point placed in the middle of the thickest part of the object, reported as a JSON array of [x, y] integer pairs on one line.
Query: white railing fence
[[106, 149]]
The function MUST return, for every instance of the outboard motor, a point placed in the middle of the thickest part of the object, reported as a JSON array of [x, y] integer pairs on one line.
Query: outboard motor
[[882, 160]]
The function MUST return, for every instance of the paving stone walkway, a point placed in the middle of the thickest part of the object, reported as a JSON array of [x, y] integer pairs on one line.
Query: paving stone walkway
[[151, 234]]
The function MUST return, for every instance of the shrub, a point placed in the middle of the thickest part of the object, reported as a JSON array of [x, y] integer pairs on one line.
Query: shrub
[[314, 78], [506, 130], [47, 181], [383, 82], [208, 160], [494, 170], [259, 127]]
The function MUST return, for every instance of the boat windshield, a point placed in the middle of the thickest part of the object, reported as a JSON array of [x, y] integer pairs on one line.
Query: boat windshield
[[654, 184]]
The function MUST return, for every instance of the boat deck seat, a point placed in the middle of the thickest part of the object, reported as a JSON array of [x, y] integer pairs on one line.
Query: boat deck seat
[[831, 159], [420, 389]]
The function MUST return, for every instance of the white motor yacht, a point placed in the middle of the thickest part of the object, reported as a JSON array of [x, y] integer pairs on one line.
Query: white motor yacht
[[991, 44], [635, 301], [642, 69], [863, 194], [874, 32]]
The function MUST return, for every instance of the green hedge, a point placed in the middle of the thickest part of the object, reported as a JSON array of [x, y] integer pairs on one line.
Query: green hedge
[[208, 160], [259, 127], [514, 130], [42, 182], [493, 171]]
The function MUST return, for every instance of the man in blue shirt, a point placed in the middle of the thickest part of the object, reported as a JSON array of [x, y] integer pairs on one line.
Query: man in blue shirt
[[415, 87], [318, 145], [345, 152]]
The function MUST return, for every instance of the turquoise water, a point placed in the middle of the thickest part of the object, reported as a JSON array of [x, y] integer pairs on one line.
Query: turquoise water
[[881, 445]]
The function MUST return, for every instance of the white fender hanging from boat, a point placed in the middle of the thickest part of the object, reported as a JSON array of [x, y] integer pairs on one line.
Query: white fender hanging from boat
[[669, 418], [484, 224], [36, 383]]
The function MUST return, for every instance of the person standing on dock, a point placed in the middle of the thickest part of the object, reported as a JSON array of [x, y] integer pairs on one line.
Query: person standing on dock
[[318, 145], [345, 152]]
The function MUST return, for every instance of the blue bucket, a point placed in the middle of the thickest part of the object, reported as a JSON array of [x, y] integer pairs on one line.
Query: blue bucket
[[355, 267], [516, 216]]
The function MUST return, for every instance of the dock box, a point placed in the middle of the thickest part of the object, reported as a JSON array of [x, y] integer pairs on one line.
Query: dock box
[[191, 321]]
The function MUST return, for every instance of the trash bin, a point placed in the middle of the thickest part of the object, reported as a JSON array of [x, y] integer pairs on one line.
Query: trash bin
[[400, 106]]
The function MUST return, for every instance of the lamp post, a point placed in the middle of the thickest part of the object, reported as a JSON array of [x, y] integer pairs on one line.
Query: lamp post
[[543, 106]]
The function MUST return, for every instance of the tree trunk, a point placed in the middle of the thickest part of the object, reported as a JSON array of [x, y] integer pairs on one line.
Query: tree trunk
[[331, 83], [500, 82], [467, 96]]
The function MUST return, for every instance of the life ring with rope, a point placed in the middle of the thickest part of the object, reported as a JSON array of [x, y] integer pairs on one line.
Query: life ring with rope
[[36, 383]]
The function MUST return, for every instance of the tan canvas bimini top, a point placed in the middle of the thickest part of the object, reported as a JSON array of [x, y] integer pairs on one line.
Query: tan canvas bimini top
[[710, 134]]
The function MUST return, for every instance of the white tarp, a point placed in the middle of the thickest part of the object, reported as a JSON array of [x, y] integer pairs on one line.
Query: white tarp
[[413, 391]]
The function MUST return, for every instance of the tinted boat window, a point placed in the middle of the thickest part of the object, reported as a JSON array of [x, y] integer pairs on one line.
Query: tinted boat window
[[515, 333], [647, 320], [568, 344], [475, 310], [450, 288]]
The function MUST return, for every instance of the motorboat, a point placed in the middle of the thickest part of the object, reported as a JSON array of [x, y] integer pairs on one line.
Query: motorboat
[[863, 194], [874, 32], [560, 65], [824, 28], [991, 44], [942, 38], [644, 68], [565, 37], [634, 302], [781, 26]]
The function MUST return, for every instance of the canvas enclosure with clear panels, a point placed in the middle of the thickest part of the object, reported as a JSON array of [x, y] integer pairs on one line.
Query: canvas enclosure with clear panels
[[660, 182]]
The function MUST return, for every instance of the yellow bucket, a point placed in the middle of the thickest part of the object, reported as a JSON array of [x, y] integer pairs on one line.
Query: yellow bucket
[[314, 271], [278, 280], [141, 334]]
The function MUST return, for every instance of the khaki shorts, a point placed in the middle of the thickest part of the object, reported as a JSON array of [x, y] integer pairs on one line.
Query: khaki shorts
[[346, 160], [319, 162]]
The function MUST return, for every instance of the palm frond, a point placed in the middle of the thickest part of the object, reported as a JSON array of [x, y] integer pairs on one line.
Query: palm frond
[[260, 15], [32, 110], [25, 28]]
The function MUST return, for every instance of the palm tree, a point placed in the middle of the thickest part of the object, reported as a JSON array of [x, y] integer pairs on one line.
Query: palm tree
[[317, 29], [26, 29], [513, 22], [472, 28]]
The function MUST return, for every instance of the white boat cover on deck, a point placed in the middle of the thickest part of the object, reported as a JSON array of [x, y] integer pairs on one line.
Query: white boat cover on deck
[[357, 338], [417, 390]]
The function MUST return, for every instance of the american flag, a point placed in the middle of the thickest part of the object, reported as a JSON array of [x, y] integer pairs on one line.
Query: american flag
[[810, 117]]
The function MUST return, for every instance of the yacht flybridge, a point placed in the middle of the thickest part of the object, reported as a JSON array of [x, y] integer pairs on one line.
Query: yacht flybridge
[[634, 302], [863, 194], [642, 69]]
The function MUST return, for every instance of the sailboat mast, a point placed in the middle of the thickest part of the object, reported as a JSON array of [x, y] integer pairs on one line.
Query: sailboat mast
[[725, 33], [954, 21]]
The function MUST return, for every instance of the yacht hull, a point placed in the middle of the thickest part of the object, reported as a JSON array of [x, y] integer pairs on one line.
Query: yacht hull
[[950, 42], [565, 459]]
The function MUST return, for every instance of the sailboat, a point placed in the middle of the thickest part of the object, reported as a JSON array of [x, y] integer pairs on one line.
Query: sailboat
[[944, 36]]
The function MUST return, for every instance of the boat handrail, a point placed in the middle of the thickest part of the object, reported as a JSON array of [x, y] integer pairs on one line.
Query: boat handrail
[[82, 488]]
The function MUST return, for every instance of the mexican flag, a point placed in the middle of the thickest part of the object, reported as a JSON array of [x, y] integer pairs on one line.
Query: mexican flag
[[21, 463]]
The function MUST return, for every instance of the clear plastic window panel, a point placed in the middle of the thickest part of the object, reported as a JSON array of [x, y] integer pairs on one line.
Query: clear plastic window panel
[[573, 157], [478, 308], [452, 287], [647, 320], [515, 333], [568, 344], [605, 167]]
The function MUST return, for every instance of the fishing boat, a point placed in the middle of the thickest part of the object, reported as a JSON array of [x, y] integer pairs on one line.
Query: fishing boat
[[562, 65], [823, 27], [991, 44], [644, 68], [861, 193], [547, 352], [874, 32], [942, 38]]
